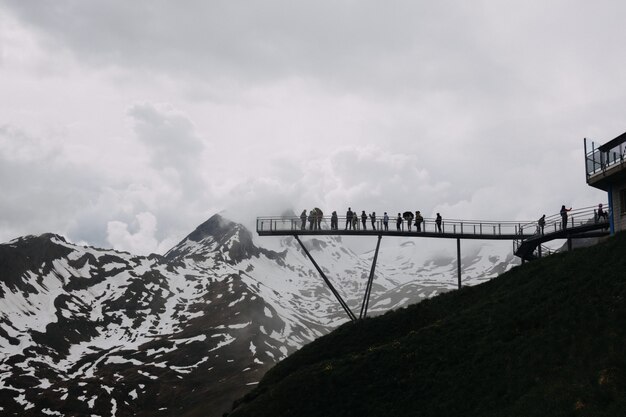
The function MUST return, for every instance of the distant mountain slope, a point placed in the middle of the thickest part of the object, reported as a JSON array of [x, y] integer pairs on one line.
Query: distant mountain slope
[[544, 339]]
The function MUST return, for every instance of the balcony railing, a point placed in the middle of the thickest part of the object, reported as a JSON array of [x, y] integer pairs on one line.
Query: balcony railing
[[598, 161]]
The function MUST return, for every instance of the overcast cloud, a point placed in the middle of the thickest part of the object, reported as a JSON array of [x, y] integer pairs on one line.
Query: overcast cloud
[[127, 124]]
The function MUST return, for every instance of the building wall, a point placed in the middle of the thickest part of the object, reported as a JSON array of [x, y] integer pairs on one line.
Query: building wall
[[619, 205]]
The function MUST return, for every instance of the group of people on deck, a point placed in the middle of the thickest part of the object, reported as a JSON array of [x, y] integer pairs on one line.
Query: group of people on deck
[[315, 216]]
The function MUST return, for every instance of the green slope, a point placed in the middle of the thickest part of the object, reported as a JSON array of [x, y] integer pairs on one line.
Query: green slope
[[546, 339]]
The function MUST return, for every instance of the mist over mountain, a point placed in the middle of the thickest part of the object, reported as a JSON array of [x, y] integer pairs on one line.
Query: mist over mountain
[[88, 331]]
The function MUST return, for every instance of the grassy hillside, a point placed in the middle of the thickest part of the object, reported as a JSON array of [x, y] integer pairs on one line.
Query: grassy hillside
[[546, 339]]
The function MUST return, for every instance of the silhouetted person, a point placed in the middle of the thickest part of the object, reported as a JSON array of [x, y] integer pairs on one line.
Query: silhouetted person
[[303, 219], [418, 221], [319, 215], [334, 221], [373, 219], [349, 215], [541, 223], [602, 214], [364, 220], [386, 222], [399, 223], [563, 213], [355, 221], [438, 222], [311, 220], [408, 216]]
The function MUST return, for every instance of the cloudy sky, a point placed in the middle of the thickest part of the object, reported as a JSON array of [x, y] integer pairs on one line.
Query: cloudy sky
[[126, 124]]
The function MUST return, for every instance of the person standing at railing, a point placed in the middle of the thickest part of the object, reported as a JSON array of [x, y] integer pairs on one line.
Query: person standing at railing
[[349, 215], [364, 220], [386, 222], [541, 223], [319, 215], [373, 219], [408, 216], [399, 223], [303, 219], [418, 221], [355, 221], [311, 219], [563, 213], [334, 221], [438, 221]]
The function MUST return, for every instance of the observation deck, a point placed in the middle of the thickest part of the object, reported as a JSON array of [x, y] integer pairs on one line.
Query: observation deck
[[579, 221], [527, 236]]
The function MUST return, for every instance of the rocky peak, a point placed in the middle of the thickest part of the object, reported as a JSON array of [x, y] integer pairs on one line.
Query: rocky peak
[[29, 253], [231, 241]]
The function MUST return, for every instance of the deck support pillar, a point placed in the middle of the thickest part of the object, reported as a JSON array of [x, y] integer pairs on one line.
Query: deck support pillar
[[458, 260], [368, 288], [330, 286]]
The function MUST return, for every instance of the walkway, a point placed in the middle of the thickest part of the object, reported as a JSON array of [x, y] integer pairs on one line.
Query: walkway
[[581, 220]]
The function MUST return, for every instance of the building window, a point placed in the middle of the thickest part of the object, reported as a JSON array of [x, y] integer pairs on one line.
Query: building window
[[622, 201]]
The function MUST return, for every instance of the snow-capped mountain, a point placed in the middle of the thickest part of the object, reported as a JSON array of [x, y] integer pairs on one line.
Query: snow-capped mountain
[[86, 331]]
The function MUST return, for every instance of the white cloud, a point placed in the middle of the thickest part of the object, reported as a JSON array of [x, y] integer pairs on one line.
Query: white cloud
[[141, 242]]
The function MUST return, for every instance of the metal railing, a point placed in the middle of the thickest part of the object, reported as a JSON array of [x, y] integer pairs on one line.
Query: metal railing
[[506, 229], [597, 161], [429, 225]]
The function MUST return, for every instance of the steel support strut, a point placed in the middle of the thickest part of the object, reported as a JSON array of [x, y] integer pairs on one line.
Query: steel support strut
[[458, 260], [368, 288], [332, 289]]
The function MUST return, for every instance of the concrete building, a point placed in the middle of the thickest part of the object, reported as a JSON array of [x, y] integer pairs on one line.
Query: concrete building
[[606, 169]]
